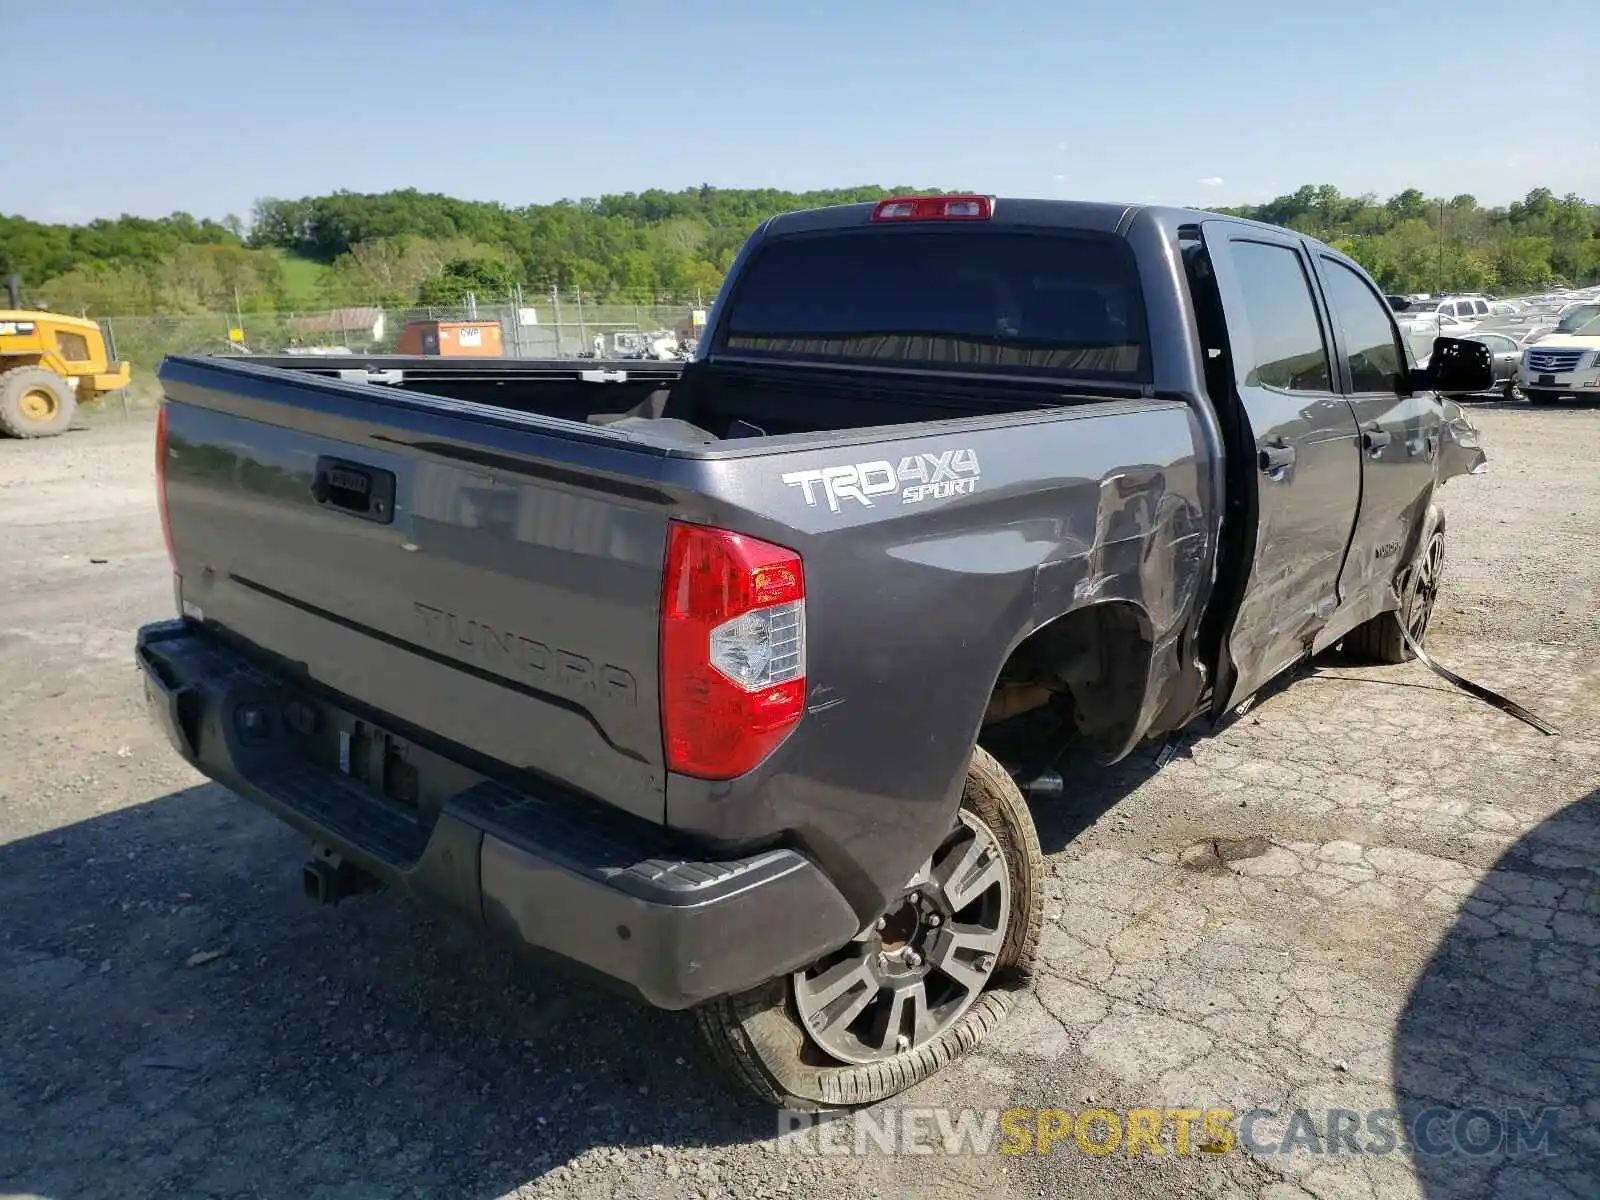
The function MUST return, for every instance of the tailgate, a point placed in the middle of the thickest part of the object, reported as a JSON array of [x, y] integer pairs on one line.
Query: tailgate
[[489, 578]]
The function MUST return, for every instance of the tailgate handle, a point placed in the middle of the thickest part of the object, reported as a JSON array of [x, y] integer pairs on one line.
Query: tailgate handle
[[361, 491]]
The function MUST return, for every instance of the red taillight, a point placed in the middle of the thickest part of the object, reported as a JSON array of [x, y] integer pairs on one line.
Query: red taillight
[[934, 208], [161, 479], [733, 650]]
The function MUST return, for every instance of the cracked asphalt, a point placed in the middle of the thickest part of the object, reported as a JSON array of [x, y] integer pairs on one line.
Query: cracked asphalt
[[1369, 894]]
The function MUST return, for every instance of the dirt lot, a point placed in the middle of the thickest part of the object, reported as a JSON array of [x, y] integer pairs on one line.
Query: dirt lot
[[1421, 930]]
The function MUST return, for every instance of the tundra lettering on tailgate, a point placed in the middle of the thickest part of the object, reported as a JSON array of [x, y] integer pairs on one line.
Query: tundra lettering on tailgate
[[509, 653], [919, 477]]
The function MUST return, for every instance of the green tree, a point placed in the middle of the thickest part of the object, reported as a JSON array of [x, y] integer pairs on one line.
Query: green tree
[[404, 247], [486, 278]]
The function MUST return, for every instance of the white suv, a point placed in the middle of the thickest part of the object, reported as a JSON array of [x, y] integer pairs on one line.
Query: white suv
[[1562, 366], [1455, 314], [1424, 320]]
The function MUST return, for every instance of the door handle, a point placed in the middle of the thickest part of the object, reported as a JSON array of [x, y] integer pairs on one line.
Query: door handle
[[1274, 458], [1376, 439]]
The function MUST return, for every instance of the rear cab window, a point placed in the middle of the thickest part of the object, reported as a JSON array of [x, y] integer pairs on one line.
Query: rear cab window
[[1047, 302]]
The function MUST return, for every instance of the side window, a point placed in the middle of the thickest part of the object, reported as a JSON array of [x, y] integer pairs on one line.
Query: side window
[[1464, 309], [1369, 341], [1284, 330], [73, 347]]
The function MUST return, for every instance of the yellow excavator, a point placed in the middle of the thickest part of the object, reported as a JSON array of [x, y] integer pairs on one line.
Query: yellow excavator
[[50, 364]]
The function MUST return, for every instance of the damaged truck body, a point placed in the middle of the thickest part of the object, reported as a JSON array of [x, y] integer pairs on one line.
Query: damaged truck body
[[702, 680]]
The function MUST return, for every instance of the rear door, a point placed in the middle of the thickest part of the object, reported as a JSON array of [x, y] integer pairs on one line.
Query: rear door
[[1400, 431], [1308, 476]]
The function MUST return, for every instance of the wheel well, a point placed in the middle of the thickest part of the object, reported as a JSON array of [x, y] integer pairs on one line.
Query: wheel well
[[1086, 670]]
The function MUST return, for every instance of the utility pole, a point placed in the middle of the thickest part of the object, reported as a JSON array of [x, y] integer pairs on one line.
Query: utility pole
[[1439, 273]]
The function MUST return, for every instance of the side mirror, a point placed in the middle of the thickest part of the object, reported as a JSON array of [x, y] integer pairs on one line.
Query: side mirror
[[1456, 367]]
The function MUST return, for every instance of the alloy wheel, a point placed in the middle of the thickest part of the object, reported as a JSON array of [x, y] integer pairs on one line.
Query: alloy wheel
[[927, 959], [1422, 588]]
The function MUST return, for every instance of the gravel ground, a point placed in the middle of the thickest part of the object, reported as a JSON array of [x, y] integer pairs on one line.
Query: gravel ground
[[1415, 921]]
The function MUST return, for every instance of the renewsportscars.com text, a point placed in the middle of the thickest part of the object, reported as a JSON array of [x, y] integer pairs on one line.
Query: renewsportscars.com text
[[1435, 1132]]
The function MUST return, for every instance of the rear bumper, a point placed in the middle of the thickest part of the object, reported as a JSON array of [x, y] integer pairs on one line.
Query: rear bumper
[[556, 872]]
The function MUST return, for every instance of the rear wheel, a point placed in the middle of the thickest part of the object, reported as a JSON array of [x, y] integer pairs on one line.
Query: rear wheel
[[34, 403], [938, 971], [1380, 639]]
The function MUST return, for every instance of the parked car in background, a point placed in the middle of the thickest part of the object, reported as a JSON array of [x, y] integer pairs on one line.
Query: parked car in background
[[1517, 324], [1507, 353], [1468, 310], [1465, 309], [1420, 327], [1564, 365], [1575, 316]]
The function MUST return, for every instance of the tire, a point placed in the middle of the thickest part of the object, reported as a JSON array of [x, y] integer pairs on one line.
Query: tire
[[761, 1044], [1380, 639], [35, 403]]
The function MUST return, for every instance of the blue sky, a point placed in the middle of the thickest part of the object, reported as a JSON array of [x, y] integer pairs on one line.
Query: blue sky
[[205, 105]]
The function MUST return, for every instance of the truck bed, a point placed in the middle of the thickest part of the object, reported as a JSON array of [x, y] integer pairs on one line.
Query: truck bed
[[567, 388], [701, 404]]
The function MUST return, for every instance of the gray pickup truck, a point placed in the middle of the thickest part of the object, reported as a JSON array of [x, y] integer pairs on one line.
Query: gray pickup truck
[[711, 682]]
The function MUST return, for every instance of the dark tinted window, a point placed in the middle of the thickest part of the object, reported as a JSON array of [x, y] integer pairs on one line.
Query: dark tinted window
[[1368, 338], [971, 299], [1284, 329]]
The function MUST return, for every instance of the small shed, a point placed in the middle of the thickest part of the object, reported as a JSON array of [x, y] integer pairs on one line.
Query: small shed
[[452, 339], [368, 322]]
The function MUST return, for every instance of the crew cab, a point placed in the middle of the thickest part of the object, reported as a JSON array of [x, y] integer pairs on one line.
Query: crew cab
[[726, 683]]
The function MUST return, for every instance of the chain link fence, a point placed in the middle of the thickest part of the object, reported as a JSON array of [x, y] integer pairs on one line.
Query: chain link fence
[[555, 325]]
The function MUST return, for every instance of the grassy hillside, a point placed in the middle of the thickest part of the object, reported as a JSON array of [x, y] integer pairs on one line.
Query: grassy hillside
[[306, 286]]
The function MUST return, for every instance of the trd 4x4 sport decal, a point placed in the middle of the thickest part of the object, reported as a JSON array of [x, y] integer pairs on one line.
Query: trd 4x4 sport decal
[[919, 477]]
